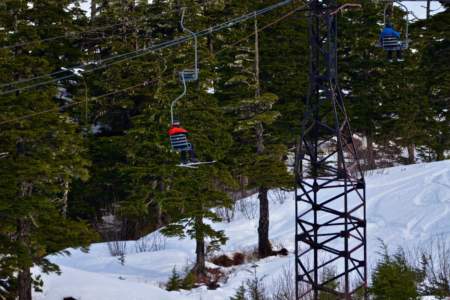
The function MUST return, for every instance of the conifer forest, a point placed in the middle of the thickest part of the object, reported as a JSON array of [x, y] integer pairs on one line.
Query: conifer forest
[[158, 149]]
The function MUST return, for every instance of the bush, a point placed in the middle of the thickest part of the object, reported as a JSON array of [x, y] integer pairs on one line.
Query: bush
[[240, 293], [238, 258], [189, 281], [435, 261], [395, 278], [223, 261], [175, 281], [253, 289], [284, 285]]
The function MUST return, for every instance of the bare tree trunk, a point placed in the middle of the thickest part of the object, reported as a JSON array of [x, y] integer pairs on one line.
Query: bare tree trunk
[[162, 217], [411, 154], [199, 267], [93, 9], [440, 155], [257, 80], [264, 247], [370, 152], [24, 280], [24, 284], [65, 198]]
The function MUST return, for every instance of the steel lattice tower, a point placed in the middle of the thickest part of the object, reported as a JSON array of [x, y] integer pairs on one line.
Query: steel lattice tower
[[330, 195]]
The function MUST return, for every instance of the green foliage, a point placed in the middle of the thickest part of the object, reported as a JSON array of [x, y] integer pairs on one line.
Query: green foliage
[[189, 281], [435, 261], [115, 159], [175, 281], [434, 80], [328, 274], [252, 289], [240, 293], [256, 288], [395, 278], [45, 153]]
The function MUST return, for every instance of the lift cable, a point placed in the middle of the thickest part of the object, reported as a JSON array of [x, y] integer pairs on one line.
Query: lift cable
[[75, 103], [141, 52], [146, 83]]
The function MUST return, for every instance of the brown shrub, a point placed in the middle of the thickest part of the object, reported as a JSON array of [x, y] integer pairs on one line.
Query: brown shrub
[[238, 258], [211, 278], [282, 252], [222, 260]]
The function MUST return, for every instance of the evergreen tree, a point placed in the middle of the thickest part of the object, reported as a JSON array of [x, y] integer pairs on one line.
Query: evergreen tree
[[125, 169], [256, 288], [240, 293], [329, 274], [190, 194], [174, 282], [395, 278], [434, 38], [260, 159], [362, 68], [45, 153], [190, 200]]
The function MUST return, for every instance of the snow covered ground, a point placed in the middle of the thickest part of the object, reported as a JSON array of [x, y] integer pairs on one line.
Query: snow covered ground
[[408, 206]]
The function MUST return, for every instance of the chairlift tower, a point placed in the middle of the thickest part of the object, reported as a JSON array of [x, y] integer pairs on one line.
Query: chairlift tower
[[331, 234], [331, 245]]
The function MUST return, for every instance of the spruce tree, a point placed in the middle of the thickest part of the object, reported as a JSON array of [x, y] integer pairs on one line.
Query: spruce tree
[[434, 45], [395, 278], [241, 89], [174, 282], [362, 68], [185, 195], [240, 293], [45, 153]]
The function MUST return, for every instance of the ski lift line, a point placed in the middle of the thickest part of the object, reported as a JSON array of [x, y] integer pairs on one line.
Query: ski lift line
[[58, 37], [147, 82], [58, 72], [346, 6], [163, 45], [153, 81], [147, 51], [152, 49], [74, 34]]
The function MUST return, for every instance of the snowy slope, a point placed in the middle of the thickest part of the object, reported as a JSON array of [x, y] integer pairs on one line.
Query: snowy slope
[[406, 206]]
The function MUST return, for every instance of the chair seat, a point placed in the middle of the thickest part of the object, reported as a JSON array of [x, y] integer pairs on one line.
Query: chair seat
[[179, 142], [392, 43]]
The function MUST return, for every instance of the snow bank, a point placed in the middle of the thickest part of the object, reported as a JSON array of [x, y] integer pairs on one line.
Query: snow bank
[[407, 206]]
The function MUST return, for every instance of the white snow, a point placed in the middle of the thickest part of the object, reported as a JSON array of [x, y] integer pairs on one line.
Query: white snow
[[407, 206]]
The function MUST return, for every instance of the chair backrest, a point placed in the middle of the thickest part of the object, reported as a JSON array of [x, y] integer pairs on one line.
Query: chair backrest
[[391, 43], [179, 142], [189, 75]]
